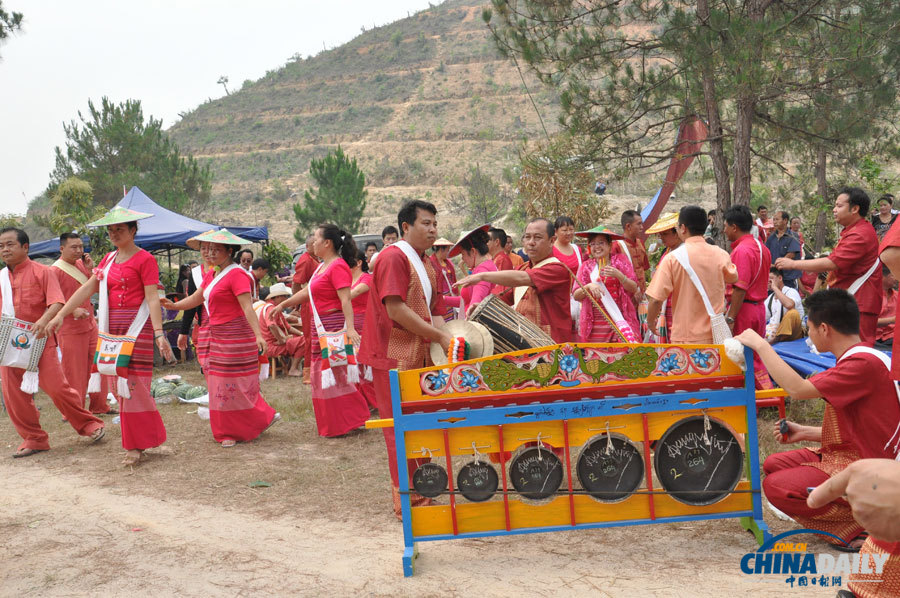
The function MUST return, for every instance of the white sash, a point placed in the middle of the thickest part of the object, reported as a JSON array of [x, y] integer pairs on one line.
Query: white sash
[[858, 283], [419, 267], [71, 270], [260, 308], [253, 294], [887, 364], [103, 325], [612, 309], [519, 292], [197, 275], [624, 247], [575, 306], [335, 341], [717, 321], [208, 290], [22, 350]]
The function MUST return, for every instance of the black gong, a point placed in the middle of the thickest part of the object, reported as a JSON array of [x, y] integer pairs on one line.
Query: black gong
[[697, 467], [536, 472], [430, 480], [610, 468], [477, 481]]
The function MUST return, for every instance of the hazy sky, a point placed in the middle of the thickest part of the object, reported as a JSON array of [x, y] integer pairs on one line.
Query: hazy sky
[[167, 54]]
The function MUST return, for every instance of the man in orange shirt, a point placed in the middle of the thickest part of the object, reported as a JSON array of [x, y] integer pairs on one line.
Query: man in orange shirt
[[78, 335], [514, 257], [497, 249], [36, 298], [690, 321]]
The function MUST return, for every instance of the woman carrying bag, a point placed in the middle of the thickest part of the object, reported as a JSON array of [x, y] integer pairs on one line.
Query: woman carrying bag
[[130, 322], [237, 410], [339, 406]]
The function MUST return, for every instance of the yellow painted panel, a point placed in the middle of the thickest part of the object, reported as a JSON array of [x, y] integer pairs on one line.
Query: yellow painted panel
[[411, 391], [488, 516]]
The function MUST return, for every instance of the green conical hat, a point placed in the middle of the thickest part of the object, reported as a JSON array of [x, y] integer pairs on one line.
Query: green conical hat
[[118, 215], [221, 236], [601, 230]]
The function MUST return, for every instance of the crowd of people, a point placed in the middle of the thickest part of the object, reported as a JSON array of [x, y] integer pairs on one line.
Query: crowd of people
[[352, 314]]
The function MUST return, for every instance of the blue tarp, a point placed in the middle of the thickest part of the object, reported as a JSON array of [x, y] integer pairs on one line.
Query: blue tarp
[[797, 355], [170, 230], [50, 248], [166, 230]]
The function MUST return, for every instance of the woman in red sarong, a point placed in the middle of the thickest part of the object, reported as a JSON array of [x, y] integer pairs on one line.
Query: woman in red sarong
[[237, 410], [617, 275], [339, 406], [131, 276], [359, 297], [200, 332]]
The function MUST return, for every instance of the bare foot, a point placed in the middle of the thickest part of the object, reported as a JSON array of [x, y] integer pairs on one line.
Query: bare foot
[[132, 457]]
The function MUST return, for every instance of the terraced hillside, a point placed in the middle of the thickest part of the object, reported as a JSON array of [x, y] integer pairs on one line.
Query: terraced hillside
[[417, 102]]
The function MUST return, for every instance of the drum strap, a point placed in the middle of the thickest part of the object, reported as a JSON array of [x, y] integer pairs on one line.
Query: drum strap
[[419, 268]]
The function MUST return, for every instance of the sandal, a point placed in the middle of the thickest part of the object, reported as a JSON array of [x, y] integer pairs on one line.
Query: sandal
[[853, 545], [26, 452], [131, 459], [98, 434], [228, 443], [275, 419]]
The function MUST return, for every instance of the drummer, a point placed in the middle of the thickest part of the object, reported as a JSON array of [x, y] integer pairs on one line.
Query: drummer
[[546, 282], [473, 247]]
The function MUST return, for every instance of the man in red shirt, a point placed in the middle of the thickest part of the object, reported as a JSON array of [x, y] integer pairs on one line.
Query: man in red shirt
[[497, 249], [546, 299], [36, 298], [633, 228], [403, 317], [853, 265], [764, 224], [303, 271], [78, 336], [752, 260], [861, 414], [280, 338]]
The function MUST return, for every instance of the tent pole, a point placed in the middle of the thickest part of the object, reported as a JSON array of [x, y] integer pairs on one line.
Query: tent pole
[[169, 252]]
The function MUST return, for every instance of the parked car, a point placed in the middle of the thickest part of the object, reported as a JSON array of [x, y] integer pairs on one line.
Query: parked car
[[361, 242]]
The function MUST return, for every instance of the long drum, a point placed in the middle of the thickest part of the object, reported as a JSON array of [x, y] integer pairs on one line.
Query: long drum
[[510, 330]]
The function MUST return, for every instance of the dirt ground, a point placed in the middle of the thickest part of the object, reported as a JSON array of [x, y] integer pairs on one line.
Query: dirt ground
[[187, 522]]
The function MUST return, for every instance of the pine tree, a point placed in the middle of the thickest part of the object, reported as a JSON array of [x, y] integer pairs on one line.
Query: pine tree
[[339, 199]]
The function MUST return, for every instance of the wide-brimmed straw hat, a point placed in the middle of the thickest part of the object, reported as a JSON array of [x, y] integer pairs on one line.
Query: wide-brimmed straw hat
[[600, 230], [222, 236], [279, 289], [481, 343], [442, 242], [664, 223], [119, 215], [455, 250]]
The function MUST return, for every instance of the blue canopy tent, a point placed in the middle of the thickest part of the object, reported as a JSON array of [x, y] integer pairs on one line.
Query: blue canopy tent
[[164, 232], [50, 248]]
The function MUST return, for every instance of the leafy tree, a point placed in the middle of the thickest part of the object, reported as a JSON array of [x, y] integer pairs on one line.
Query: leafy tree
[[482, 199], [113, 147], [10, 22], [554, 183], [223, 81], [72, 208], [628, 72], [279, 256], [339, 199]]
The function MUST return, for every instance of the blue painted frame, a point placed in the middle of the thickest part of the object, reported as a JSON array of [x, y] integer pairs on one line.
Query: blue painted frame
[[657, 402]]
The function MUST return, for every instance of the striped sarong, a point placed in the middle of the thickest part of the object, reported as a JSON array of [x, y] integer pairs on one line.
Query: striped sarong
[[366, 387], [237, 410], [142, 426], [340, 408]]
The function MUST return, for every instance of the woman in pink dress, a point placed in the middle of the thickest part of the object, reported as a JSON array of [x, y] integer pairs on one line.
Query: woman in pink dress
[[237, 410], [563, 248], [130, 276], [359, 296], [618, 281], [473, 247], [339, 406]]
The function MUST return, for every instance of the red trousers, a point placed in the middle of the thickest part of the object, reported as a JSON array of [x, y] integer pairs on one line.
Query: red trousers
[[24, 415], [868, 324], [786, 483], [306, 328], [753, 316], [383, 398], [77, 355]]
